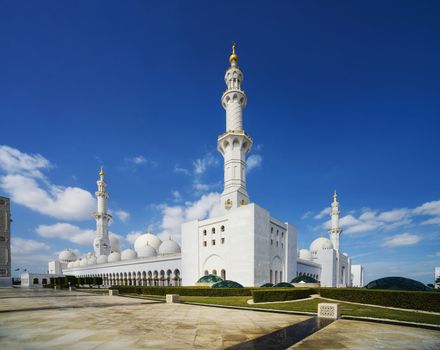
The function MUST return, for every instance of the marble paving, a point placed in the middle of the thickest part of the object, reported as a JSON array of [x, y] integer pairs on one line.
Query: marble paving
[[47, 319], [356, 335]]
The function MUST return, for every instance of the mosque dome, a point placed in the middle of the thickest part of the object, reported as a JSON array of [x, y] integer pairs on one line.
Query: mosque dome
[[77, 263], [147, 238], [128, 254], [321, 243], [83, 262], [102, 259], [305, 254], [67, 255], [146, 251], [91, 260], [169, 247], [114, 257], [115, 245], [70, 265]]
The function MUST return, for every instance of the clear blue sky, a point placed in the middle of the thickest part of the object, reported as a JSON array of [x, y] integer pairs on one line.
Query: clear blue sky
[[341, 95]]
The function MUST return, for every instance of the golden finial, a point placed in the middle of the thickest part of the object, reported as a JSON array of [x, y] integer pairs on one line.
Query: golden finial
[[233, 56], [321, 235], [101, 172], [149, 231], [335, 196]]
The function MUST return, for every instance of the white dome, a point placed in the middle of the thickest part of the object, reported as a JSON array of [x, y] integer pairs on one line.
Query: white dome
[[128, 254], [83, 262], [305, 254], [102, 259], [147, 238], [115, 245], [146, 252], [169, 247], [76, 263], [67, 256], [91, 260], [321, 243], [70, 265], [113, 257], [345, 254]]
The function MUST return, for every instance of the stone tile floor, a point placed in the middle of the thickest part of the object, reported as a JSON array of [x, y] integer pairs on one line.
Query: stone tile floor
[[48, 319]]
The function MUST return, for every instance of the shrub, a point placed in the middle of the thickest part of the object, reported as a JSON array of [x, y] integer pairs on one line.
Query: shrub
[[186, 291], [261, 296], [428, 301]]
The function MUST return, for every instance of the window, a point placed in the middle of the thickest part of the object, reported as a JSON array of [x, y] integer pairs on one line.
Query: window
[[204, 232], [213, 230], [282, 234], [206, 273], [204, 243], [277, 232], [223, 240], [35, 281], [213, 242], [222, 229], [277, 243], [282, 245], [271, 242], [214, 272], [223, 274]]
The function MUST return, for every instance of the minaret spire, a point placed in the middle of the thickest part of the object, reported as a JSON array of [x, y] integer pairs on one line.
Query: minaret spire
[[335, 231], [234, 144], [101, 243]]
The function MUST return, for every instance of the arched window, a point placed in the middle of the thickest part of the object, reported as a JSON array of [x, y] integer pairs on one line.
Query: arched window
[[213, 230], [271, 276], [222, 228], [204, 232], [276, 277], [44, 281], [214, 272], [35, 281], [206, 273], [281, 276], [223, 274]]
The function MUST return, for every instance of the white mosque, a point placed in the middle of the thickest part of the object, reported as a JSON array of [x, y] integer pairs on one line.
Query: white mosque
[[244, 244]]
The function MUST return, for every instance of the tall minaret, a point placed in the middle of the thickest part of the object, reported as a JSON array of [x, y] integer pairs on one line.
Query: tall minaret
[[234, 144], [335, 231], [101, 244]]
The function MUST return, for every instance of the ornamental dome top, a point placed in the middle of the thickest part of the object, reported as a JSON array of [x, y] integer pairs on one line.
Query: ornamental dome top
[[321, 243], [233, 57], [147, 239], [169, 247]]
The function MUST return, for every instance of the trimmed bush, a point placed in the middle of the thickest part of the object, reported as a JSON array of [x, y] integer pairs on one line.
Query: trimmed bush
[[262, 296], [427, 301], [283, 285], [186, 291]]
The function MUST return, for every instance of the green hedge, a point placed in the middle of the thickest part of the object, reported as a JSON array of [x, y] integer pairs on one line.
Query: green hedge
[[187, 291], [261, 296], [427, 301]]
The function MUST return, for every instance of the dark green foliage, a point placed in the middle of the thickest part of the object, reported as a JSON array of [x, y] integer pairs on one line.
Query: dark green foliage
[[261, 296], [305, 279], [428, 301], [227, 284], [266, 285], [209, 279], [282, 285], [186, 291]]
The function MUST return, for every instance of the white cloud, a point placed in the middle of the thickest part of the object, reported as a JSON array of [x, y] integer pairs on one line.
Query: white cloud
[[25, 183], [306, 215], [254, 161], [176, 196], [173, 216], [429, 208], [202, 164], [179, 169], [12, 161], [29, 254], [403, 239], [122, 215], [131, 237], [20, 246], [324, 212], [67, 232], [139, 160]]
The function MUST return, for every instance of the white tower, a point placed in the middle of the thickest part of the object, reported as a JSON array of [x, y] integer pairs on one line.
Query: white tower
[[101, 243], [335, 231], [234, 144]]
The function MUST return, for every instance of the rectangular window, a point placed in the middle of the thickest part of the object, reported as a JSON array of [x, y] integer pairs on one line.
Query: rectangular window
[[223, 240], [213, 242], [204, 243]]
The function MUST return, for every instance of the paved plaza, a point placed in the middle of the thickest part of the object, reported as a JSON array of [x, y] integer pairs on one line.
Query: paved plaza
[[48, 319]]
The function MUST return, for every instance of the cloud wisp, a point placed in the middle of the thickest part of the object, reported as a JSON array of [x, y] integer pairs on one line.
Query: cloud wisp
[[403, 239]]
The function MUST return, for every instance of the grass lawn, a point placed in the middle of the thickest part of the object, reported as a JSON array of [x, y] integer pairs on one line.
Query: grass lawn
[[312, 306]]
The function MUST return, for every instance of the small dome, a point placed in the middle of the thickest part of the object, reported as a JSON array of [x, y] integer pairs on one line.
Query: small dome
[[321, 243], [115, 245], [91, 260], [102, 259], [83, 262], [147, 238], [70, 265], [77, 263], [305, 254], [146, 252], [128, 254], [67, 255], [114, 257], [345, 254], [169, 247], [209, 279]]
